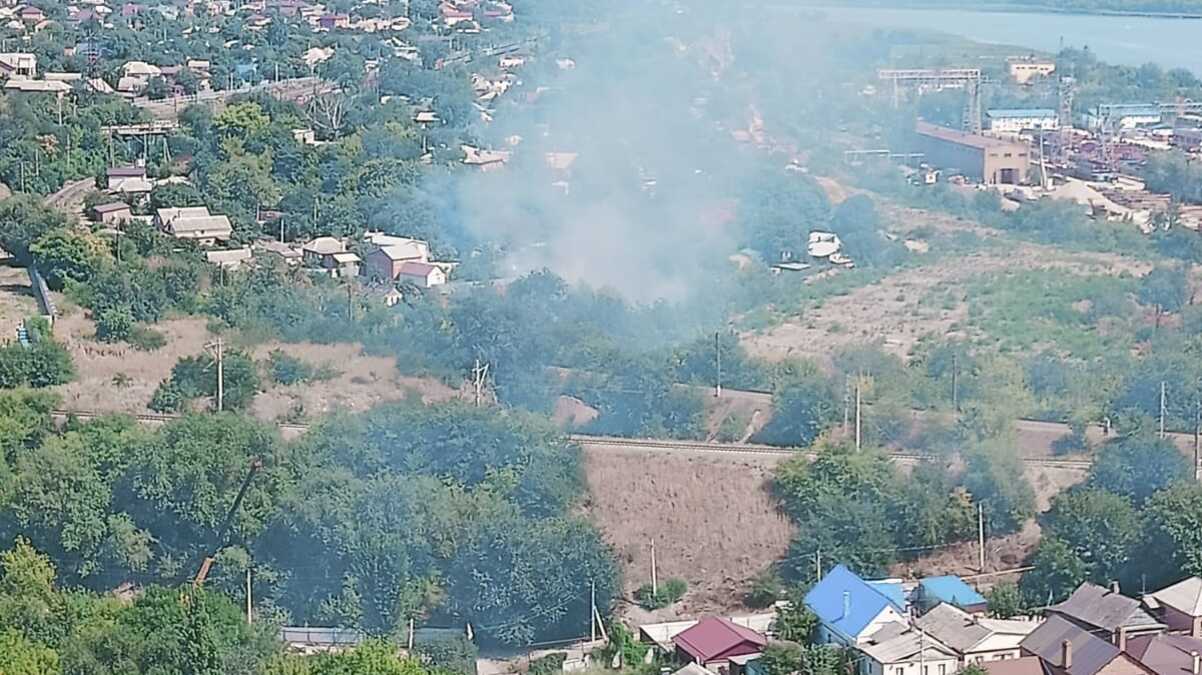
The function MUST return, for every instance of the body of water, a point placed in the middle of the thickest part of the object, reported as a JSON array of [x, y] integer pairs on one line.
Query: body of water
[[1130, 40]]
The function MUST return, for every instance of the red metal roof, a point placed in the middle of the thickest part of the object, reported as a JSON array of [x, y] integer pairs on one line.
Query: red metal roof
[[714, 637]]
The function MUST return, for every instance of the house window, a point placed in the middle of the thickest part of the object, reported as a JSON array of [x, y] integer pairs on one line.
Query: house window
[[942, 669], [926, 670]]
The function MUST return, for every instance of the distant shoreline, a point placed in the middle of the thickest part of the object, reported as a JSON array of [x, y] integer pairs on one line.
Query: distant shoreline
[[1008, 8]]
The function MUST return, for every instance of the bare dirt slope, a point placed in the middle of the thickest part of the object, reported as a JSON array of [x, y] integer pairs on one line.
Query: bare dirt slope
[[898, 310], [16, 300], [711, 516], [119, 378]]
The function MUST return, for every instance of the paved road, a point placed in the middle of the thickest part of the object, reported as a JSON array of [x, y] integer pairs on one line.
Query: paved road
[[299, 90]]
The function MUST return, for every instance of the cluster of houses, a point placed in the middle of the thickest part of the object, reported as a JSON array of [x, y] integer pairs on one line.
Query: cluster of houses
[[940, 625]]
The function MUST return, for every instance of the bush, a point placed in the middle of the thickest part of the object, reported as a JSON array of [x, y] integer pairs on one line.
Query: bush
[[766, 588], [44, 363], [669, 593], [287, 369], [146, 339], [114, 324]]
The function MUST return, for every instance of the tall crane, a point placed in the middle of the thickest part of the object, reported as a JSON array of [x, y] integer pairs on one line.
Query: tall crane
[[223, 533], [969, 79]]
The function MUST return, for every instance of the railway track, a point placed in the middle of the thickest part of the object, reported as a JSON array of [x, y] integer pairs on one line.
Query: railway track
[[616, 442]]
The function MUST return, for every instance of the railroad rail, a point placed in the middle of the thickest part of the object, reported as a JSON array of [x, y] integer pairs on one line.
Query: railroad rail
[[601, 442]]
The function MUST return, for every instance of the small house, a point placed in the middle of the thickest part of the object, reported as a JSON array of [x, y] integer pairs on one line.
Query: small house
[[1179, 606], [114, 212], [231, 259], [194, 223], [849, 609], [949, 589], [975, 639], [1065, 648], [909, 652], [127, 179], [422, 275], [317, 250], [1106, 613], [18, 64], [715, 641], [386, 262]]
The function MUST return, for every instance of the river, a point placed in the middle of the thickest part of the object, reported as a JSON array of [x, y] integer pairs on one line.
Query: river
[[1129, 40]]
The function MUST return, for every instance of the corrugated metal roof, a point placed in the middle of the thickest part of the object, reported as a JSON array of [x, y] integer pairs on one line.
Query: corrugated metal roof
[[1185, 596], [906, 647], [1096, 606], [961, 138], [1089, 653], [951, 589], [1165, 654], [1020, 113], [953, 627], [865, 603], [712, 636]]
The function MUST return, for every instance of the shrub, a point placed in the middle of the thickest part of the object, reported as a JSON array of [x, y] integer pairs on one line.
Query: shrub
[[146, 339], [669, 592], [766, 588], [288, 369], [114, 324], [44, 363]]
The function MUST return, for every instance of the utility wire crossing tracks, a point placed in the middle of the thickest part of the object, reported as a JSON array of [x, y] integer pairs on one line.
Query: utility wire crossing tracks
[[614, 443]]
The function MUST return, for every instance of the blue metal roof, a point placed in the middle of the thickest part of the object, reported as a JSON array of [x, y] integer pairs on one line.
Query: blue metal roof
[[864, 602], [1020, 113], [950, 589], [892, 590]]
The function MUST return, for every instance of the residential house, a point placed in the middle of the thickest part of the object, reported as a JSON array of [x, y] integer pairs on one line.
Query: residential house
[[897, 650], [333, 21], [127, 179], [31, 15], [972, 638], [1167, 654], [24, 86], [716, 642], [1107, 613], [1068, 649], [1179, 606], [422, 275], [949, 589], [285, 252], [385, 262], [18, 64], [663, 634], [331, 255], [850, 609], [231, 259], [194, 223], [693, 669], [112, 213], [1023, 665]]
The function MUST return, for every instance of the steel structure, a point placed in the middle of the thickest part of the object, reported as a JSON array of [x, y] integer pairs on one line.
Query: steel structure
[[968, 79]]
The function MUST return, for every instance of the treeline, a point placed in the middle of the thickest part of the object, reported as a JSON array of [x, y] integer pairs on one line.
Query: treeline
[[856, 508], [49, 629], [447, 515]]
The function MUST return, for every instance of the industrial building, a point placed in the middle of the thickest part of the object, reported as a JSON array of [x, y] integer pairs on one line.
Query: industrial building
[[980, 158], [1025, 69], [1018, 120]]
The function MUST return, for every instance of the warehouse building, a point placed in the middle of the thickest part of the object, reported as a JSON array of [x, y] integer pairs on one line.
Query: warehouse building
[[982, 159]]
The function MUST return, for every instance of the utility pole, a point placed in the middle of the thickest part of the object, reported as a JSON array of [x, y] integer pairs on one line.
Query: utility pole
[[981, 537], [1197, 435], [220, 374], [818, 564], [857, 413], [350, 301], [718, 359], [248, 599], [846, 402], [654, 576], [956, 382], [592, 612], [1162, 391], [479, 375], [409, 641]]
